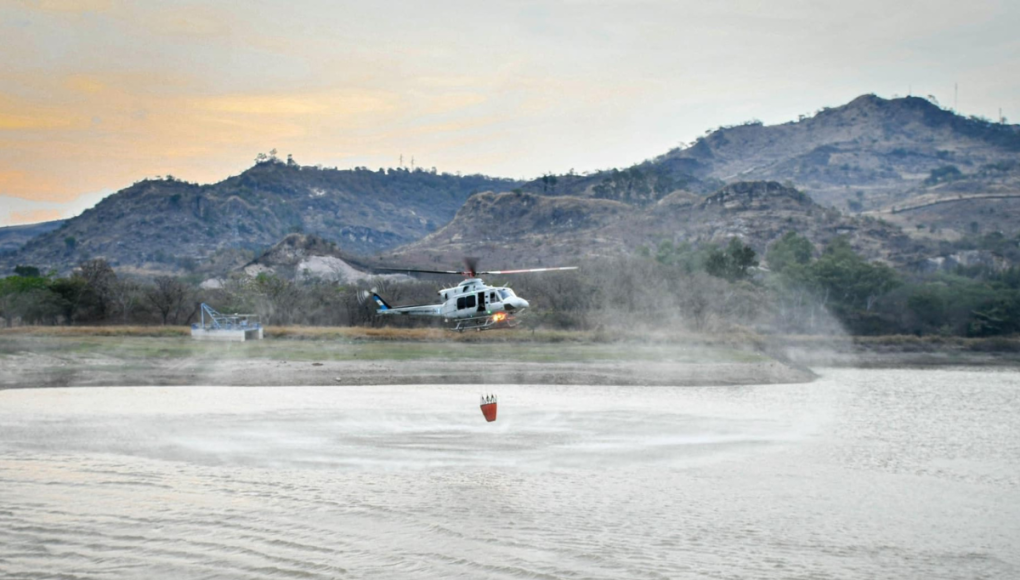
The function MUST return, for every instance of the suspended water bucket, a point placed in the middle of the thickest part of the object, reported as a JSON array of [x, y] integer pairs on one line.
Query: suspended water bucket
[[489, 407]]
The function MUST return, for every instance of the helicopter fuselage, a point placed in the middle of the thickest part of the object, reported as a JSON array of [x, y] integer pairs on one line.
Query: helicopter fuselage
[[470, 304]]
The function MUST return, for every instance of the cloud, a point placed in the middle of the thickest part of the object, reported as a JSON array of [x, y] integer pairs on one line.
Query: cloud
[[338, 103], [84, 84], [66, 6], [18, 183], [33, 216], [34, 121], [196, 89]]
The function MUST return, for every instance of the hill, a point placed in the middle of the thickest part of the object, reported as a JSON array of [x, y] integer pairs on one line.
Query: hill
[[13, 238], [877, 147], [519, 228], [866, 154], [171, 225], [951, 205], [300, 256], [888, 162]]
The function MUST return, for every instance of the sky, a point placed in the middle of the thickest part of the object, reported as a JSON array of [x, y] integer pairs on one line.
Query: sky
[[98, 94]]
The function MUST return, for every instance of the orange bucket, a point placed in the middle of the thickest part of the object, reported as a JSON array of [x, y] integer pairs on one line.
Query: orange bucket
[[489, 408]]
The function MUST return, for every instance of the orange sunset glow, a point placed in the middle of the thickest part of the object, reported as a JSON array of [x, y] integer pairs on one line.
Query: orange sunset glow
[[97, 94]]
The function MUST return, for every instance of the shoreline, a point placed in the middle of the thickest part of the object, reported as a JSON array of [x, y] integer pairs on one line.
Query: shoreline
[[264, 373], [109, 356]]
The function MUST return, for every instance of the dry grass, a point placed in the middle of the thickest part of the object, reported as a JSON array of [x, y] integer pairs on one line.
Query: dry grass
[[354, 333], [742, 338], [366, 334], [97, 331]]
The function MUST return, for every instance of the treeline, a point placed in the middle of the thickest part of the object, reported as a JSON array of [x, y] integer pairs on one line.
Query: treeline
[[800, 286], [796, 289], [95, 295]]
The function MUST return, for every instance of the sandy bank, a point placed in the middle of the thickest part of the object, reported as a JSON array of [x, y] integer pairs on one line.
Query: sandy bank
[[75, 361]]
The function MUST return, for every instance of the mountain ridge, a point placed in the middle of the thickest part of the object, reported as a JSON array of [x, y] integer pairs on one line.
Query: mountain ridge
[[172, 225], [758, 213], [851, 164]]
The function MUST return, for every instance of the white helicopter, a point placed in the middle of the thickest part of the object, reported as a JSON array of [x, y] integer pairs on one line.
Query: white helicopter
[[470, 305]]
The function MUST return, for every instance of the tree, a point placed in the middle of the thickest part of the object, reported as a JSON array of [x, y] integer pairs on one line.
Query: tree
[[944, 173], [124, 295], [790, 250], [927, 306], [169, 297], [732, 263], [99, 278], [849, 279], [998, 316], [27, 271], [72, 291], [17, 293]]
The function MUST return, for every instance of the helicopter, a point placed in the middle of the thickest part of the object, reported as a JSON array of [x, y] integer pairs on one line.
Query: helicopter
[[470, 305]]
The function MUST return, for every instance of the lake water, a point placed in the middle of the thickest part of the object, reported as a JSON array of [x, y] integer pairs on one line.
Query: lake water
[[861, 474]]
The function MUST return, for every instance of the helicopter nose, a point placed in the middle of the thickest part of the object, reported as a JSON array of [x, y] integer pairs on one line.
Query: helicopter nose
[[522, 303]]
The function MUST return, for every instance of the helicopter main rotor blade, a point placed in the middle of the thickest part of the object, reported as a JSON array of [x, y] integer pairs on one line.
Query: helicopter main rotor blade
[[529, 270], [454, 272]]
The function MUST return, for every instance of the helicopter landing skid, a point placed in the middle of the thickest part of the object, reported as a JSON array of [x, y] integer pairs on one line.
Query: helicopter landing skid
[[483, 323]]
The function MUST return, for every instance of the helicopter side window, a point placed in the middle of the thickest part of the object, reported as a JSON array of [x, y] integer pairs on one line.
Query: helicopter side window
[[460, 303], [492, 297], [469, 301]]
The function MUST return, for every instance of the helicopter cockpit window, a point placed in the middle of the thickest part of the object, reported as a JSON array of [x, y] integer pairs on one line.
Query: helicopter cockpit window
[[506, 293]]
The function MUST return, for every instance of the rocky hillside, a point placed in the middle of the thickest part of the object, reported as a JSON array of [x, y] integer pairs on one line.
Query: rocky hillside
[[866, 154], [168, 225], [869, 150], [951, 205], [305, 257], [641, 184], [299, 256], [906, 162], [516, 229]]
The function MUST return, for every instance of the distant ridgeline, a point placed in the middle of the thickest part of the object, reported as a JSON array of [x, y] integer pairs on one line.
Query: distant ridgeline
[[13, 238], [171, 225], [905, 181]]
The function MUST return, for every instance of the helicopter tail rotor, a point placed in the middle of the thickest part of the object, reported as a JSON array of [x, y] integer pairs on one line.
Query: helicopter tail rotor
[[373, 295]]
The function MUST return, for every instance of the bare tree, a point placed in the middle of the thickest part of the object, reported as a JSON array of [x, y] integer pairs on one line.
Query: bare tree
[[124, 295], [169, 296], [99, 278]]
